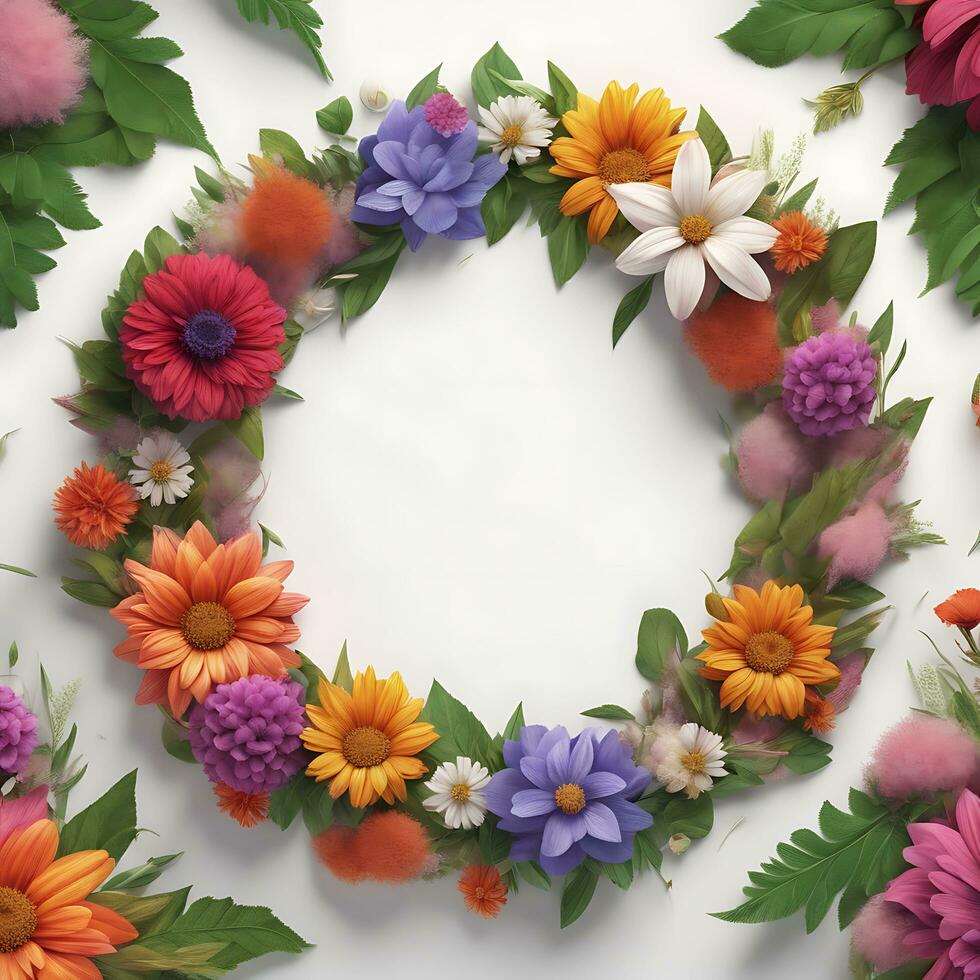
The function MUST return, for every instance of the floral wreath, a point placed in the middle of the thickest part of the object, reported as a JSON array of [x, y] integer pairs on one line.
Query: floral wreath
[[393, 787], [63, 913], [905, 856]]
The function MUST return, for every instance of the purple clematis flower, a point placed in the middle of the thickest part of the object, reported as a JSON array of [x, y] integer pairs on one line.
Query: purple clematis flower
[[566, 798], [427, 183]]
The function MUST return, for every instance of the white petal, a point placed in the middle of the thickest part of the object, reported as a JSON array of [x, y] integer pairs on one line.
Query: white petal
[[736, 268], [733, 196], [490, 121], [684, 280], [646, 206], [691, 177], [157, 495], [168, 494], [749, 234], [650, 252]]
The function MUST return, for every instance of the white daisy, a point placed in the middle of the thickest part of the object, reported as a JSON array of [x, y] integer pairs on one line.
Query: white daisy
[[692, 760], [162, 472], [457, 793], [518, 126], [694, 222]]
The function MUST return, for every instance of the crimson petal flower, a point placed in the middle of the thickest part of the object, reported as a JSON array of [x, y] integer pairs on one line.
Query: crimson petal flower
[[203, 342]]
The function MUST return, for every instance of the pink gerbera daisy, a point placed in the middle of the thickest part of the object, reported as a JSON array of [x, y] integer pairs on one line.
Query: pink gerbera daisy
[[203, 342]]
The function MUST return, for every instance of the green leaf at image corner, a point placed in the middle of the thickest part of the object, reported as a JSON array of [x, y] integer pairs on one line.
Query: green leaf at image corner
[[297, 16]]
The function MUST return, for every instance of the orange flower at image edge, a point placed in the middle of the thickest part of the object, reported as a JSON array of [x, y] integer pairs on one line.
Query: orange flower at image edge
[[92, 507], [615, 141], [47, 929], [961, 609], [206, 614], [367, 741], [800, 242], [768, 651], [483, 890]]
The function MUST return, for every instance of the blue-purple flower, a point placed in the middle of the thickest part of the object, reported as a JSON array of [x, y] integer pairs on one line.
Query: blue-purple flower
[[564, 799], [428, 183]]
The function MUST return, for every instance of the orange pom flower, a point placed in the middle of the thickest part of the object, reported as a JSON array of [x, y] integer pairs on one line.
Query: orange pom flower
[[800, 242], [961, 609], [47, 928], [206, 614], [337, 852], [819, 714], [286, 218], [483, 889], [388, 846], [735, 340], [93, 507], [248, 809]]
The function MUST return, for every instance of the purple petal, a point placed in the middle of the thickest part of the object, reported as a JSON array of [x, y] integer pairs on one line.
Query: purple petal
[[413, 200], [397, 188], [488, 169], [463, 145], [468, 195], [560, 832], [451, 174], [501, 789], [436, 213], [399, 122], [531, 736], [368, 216], [376, 201], [580, 761], [629, 816], [534, 768], [393, 159], [601, 823], [557, 762], [468, 225], [608, 851], [532, 803], [414, 235], [599, 784], [563, 863], [366, 149], [526, 848]]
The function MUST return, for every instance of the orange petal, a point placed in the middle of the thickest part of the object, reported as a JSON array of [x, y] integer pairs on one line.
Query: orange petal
[[27, 853], [251, 596], [69, 879]]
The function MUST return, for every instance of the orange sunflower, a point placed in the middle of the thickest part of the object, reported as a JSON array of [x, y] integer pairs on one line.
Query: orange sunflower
[[367, 741], [768, 651], [92, 507], [615, 141], [47, 929], [206, 614]]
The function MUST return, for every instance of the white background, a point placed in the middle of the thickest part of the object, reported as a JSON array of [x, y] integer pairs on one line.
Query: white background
[[478, 489]]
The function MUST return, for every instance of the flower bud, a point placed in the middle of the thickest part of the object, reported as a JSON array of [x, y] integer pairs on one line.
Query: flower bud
[[679, 843], [715, 605]]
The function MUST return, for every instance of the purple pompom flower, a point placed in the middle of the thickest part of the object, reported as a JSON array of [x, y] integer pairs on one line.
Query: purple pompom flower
[[247, 734], [566, 798], [828, 383], [428, 183], [18, 733]]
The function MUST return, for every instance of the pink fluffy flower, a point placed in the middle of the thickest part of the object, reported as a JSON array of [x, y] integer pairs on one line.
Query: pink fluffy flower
[[920, 757], [445, 115], [857, 544], [942, 891], [879, 931], [43, 63], [773, 458]]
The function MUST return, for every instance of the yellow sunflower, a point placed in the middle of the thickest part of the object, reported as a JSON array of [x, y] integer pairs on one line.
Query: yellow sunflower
[[615, 141], [367, 741], [768, 651]]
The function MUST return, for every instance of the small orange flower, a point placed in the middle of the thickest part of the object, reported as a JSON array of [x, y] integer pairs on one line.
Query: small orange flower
[[93, 507], [483, 889], [818, 714], [961, 609], [248, 809], [800, 242]]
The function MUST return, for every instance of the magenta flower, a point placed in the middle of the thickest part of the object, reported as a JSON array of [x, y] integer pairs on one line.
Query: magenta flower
[[942, 890], [945, 68], [18, 733]]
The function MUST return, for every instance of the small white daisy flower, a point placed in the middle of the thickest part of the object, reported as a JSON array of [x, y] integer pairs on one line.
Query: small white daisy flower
[[162, 472], [457, 793], [692, 760], [518, 126]]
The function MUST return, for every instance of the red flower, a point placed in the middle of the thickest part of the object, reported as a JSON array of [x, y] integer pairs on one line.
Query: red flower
[[203, 342], [961, 609]]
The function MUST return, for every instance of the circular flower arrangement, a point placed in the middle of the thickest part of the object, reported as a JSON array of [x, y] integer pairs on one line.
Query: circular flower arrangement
[[394, 787]]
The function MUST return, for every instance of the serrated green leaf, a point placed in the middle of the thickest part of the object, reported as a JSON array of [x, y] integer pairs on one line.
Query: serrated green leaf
[[298, 16], [460, 731], [108, 824]]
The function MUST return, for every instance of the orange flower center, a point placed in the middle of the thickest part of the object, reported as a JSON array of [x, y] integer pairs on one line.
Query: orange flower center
[[18, 919], [624, 167], [694, 762], [480, 892], [512, 136], [366, 746], [161, 472], [207, 626], [570, 798], [460, 792], [695, 229], [794, 243], [769, 652]]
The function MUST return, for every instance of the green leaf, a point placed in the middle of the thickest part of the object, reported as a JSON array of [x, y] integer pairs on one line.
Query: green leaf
[[494, 843], [487, 87], [424, 89], [298, 16], [630, 307], [343, 676], [568, 248], [501, 208], [881, 332], [562, 88], [799, 200], [360, 294], [176, 739], [286, 804], [460, 732], [108, 824], [276, 143], [92, 593], [248, 430], [719, 152], [661, 638], [576, 894], [534, 874], [513, 728], [142, 876], [610, 712], [336, 117]]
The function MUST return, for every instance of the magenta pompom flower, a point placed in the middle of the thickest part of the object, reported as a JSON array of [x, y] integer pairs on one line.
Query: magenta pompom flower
[[18, 733], [445, 115], [247, 734], [43, 63], [204, 341], [828, 383]]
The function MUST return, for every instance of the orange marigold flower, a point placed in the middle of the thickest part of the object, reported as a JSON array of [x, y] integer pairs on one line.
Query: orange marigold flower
[[961, 609], [248, 809], [800, 242], [206, 614], [47, 928], [93, 507], [483, 889], [819, 714]]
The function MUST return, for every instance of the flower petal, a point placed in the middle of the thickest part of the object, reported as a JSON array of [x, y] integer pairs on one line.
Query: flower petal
[[650, 253], [684, 280], [690, 179], [732, 196], [646, 206], [736, 269]]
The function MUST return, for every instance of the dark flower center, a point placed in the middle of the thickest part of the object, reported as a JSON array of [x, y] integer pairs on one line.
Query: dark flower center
[[18, 919], [769, 652], [365, 747], [208, 335], [207, 626]]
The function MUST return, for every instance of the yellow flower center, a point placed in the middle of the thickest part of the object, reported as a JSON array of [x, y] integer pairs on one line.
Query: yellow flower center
[[694, 762], [460, 792], [570, 798], [161, 472], [18, 919], [769, 652], [365, 747], [624, 167], [695, 229], [512, 136], [207, 626]]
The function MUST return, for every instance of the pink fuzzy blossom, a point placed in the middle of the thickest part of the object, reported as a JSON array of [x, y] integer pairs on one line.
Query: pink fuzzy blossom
[[878, 933], [445, 115], [851, 671], [920, 757], [825, 317], [230, 497], [43, 63], [857, 544], [773, 458]]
